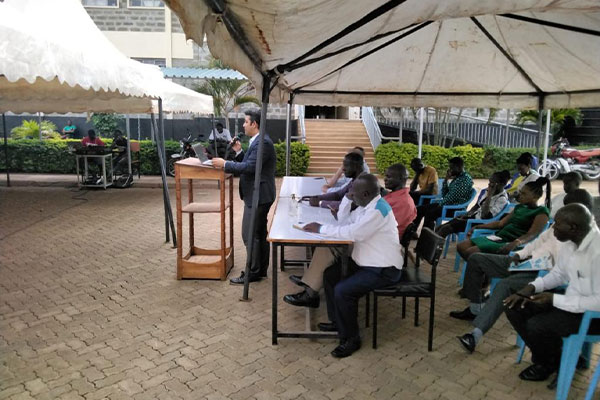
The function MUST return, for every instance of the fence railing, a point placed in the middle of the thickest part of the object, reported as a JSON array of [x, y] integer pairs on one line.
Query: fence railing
[[470, 129], [371, 125]]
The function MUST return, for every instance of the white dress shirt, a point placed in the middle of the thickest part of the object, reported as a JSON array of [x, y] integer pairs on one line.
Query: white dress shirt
[[545, 245], [579, 267], [558, 202], [225, 135], [374, 231]]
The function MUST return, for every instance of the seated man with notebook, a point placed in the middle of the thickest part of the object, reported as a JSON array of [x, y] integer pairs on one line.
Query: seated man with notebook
[[482, 265], [376, 260], [543, 318]]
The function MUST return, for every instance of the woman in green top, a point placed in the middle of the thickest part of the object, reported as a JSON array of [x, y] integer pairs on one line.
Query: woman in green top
[[523, 224]]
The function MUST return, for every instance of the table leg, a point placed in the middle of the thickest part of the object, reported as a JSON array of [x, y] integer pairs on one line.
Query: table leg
[[77, 168], [103, 172], [274, 302], [85, 170]]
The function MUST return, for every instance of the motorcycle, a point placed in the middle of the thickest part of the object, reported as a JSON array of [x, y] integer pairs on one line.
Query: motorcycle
[[186, 151], [566, 159]]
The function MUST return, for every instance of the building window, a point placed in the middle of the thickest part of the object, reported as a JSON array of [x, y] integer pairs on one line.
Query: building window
[[100, 3], [146, 4], [161, 62]]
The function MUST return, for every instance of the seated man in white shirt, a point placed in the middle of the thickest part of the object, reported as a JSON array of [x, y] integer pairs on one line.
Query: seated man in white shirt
[[221, 133], [339, 180], [543, 318], [496, 266], [376, 260], [571, 182]]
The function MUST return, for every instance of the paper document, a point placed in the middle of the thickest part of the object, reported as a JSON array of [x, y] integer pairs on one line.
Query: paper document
[[537, 264], [494, 238]]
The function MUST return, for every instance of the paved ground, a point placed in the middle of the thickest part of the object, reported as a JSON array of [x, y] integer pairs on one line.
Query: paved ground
[[90, 308]]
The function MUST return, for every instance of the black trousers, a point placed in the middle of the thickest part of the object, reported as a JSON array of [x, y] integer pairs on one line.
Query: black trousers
[[343, 294], [455, 225], [542, 327], [260, 253], [430, 212]]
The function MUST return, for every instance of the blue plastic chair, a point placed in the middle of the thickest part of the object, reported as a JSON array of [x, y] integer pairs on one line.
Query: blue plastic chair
[[573, 345], [432, 197], [458, 207]]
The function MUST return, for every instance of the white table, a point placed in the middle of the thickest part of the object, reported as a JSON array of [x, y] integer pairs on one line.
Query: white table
[[107, 179], [283, 234], [301, 186]]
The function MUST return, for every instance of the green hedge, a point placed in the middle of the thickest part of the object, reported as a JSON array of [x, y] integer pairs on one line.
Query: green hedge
[[392, 152], [479, 162], [52, 156]]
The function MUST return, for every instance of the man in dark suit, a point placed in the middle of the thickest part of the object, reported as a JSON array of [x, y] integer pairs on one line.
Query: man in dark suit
[[244, 167]]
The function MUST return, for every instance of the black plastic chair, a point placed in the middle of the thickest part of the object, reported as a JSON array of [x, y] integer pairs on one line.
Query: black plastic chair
[[415, 282]]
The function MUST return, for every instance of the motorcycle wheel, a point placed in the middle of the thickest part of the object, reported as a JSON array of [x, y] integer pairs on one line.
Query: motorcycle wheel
[[593, 173], [171, 166], [552, 170]]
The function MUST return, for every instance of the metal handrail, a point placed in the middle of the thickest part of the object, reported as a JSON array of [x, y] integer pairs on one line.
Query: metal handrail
[[371, 125], [301, 113]]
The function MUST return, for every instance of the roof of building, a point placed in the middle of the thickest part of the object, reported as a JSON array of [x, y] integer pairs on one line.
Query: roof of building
[[202, 73]]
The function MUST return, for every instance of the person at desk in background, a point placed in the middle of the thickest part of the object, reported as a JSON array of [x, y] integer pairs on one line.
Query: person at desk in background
[[323, 257], [376, 260], [483, 265], [526, 174], [487, 207], [353, 167], [222, 137], [456, 192], [91, 139], [544, 318], [244, 166], [119, 145], [571, 182], [426, 179], [339, 180], [68, 132]]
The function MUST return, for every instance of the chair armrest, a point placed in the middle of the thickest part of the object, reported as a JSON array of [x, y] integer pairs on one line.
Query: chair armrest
[[474, 221], [427, 196], [459, 213]]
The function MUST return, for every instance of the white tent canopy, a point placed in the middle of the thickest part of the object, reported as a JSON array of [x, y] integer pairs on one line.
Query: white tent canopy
[[179, 99], [47, 64], [464, 53]]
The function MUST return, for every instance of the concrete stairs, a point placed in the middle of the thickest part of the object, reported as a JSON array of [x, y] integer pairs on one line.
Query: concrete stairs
[[329, 141]]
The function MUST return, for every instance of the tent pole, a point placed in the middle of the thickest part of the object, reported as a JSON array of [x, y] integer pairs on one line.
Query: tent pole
[[164, 171], [546, 139], [421, 132], [158, 153], [40, 123], [257, 174], [214, 133], [6, 150], [288, 134], [127, 126], [506, 133], [540, 124], [401, 125]]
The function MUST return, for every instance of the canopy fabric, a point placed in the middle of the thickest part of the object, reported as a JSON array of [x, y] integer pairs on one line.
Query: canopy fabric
[[179, 99], [464, 53], [53, 58]]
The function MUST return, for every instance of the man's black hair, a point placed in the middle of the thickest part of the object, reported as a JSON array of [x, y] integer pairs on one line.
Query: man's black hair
[[371, 182], [580, 196], [573, 176], [400, 170], [254, 116], [220, 124], [91, 132], [457, 161], [355, 158], [525, 159], [359, 148]]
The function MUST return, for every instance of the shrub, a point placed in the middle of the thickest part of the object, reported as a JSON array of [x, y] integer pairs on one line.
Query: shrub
[[299, 158], [52, 156], [106, 124], [30, 129], [436, 156]]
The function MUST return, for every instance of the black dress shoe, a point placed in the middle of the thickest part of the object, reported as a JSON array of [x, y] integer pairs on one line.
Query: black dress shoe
[[465, 314], [297, 279], [240, 279], [302, 299], [536, 372], [468, 342], [461, 293], [552, 385], [327, 326], [346, 348]]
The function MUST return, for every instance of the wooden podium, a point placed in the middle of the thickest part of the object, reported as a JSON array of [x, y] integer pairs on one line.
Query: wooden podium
[[201, 263]]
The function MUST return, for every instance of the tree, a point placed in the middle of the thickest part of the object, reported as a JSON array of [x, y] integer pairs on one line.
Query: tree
[[30, 129], [106, 124], [228, 95], [558, 117]]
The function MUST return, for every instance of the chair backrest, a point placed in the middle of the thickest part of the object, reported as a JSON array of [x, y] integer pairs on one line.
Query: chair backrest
[[409, 231], [135, 146], [430, 246], [440, 184]]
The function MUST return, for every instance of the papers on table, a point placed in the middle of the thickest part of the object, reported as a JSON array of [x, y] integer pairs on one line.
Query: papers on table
[[537, 264], [301, 186]]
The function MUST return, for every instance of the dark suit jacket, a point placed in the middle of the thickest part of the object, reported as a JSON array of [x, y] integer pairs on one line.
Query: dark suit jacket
[[244, 167]]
